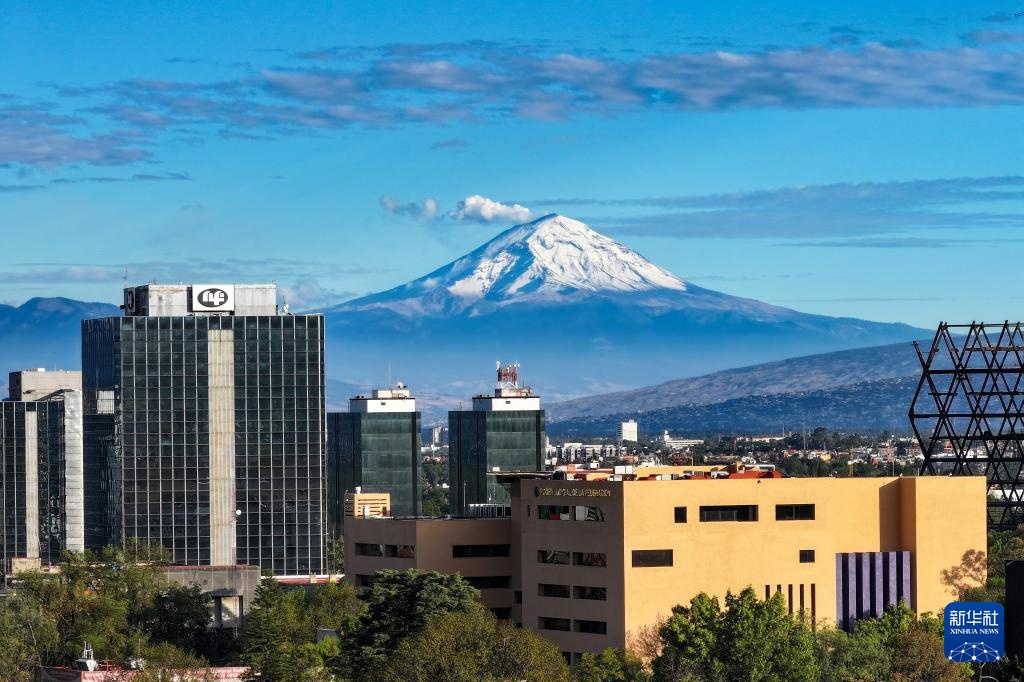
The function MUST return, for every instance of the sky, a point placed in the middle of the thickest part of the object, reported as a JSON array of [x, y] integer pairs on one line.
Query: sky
[[852, 159]]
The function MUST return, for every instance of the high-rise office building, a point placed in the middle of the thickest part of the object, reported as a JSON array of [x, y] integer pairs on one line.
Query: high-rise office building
[[503, 433], [375, 447], [626, 431], [41, 470], [205, 426]]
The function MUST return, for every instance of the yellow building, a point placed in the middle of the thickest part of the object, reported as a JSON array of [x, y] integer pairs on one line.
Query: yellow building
[[587, 562]]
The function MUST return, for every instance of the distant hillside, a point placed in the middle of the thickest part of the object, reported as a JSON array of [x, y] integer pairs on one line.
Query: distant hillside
[[808, 373], [45, 332], [864, 406]]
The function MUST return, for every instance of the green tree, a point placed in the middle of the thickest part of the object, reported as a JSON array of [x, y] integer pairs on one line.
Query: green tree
[[611, 665], [470, 645], [279, 642], [842, 658], [749, 640], [267, 642], [435, 474], [896, 646], [335, 554], [180, 616], [760, 640], [110, 600], [918, 656], [27, 636], [398, 606], [435, 502]]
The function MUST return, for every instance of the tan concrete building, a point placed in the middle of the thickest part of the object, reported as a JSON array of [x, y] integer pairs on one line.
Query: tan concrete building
[[480, 549], [592, 561], [40, 384]]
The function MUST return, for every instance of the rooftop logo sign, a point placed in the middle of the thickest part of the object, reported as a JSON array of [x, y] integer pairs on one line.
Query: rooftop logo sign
[[213, 298], [973, 632]]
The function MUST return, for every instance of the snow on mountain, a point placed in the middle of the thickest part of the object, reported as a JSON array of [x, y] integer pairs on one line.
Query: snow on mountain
[[549, 260], [582, 312]]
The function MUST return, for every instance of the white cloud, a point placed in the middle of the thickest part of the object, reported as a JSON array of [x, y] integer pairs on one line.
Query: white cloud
[[483, 210], [426, 209]]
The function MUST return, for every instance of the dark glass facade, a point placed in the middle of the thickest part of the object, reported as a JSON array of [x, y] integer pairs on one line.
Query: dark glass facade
[[481, 442], [42, 424], [102, 481], [378, 452], [188, 392]]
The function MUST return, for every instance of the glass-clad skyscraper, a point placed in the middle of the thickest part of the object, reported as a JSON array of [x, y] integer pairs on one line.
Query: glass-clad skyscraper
[[502, 433], [375, 446], [41, 478], [205, 426]]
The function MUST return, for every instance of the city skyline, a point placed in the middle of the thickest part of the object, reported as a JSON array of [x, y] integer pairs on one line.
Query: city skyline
[[832, 160]]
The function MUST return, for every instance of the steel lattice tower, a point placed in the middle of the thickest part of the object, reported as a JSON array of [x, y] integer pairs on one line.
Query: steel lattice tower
[[968, 411]]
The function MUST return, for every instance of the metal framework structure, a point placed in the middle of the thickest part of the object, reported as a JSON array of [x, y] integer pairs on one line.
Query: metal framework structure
[[968, 411]]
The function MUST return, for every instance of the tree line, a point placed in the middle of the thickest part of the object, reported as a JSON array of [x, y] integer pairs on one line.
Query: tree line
[[420, 625]]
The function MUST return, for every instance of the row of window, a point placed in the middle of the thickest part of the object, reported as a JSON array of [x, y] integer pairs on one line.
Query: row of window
[[804, 602], [546, 512], [597, 559], [748, 512], [489, 582], [576, 592], [594, 627], [480, 551], [382, 550], [646, 558], [708, 513]]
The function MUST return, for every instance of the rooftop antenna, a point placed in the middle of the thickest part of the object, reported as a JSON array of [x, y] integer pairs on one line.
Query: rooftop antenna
[[124, 281]]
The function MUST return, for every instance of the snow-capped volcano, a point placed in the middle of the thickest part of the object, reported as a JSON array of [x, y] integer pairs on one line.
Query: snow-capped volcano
[[583, 312], [553, 259]]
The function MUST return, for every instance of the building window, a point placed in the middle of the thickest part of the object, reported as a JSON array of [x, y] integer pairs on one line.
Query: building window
[[807, 556], [364, 549], [400, 551], [597, 559], [560, 624], [593, 627], [733, 512], [545, 556], [390, 551], [489, 582], [547, 512], [479, 551], [585, 592], [502, 613], [646, 558], [517, 597], [680, 514], [363, 580], [794, 512], [547, 590]]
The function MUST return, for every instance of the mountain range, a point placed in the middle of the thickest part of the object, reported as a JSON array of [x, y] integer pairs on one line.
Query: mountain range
[[794, 375], [582, 313], [875, 406], [860, 389]]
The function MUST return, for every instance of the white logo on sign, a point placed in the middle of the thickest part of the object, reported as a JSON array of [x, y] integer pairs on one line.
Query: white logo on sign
[[212, 297]]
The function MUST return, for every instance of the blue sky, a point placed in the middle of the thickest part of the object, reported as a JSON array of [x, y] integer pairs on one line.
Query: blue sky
[[857, 159]]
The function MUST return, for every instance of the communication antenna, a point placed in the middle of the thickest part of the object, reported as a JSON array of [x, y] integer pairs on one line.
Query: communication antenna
[[124, 281]]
